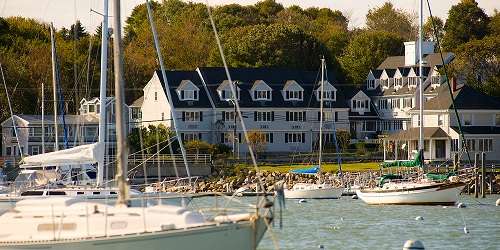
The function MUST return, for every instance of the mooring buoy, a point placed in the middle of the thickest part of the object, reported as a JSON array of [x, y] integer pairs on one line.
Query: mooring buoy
[[302, 201], [321, 246], [419, 218], [461, 205], [498, 203], [354, 197], [413, 245], [466, 230]]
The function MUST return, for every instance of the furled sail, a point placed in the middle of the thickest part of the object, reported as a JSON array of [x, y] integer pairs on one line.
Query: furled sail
[[84, 154], [311, 170]]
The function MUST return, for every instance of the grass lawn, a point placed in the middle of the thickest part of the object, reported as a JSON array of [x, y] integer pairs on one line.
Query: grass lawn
[[328, 167]]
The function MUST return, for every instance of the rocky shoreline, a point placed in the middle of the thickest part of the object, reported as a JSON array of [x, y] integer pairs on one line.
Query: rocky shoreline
[[249, 181]]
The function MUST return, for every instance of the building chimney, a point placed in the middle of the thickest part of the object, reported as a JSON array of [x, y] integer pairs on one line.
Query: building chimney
[[411, 51]]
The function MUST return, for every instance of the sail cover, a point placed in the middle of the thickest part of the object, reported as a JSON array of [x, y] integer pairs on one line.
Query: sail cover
[[311, 170], [85, 154]]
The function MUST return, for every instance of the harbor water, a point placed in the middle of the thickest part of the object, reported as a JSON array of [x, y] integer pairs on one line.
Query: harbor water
[[351, 224]]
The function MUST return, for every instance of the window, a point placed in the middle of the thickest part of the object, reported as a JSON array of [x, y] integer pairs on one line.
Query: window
[[156, 96], [265, 116], [383, 104], [384, 82], [8, 151], [497, 119], [228, 116], [226, 138], [189, 95], [191, 136], [296, 116], [371, 84], [162, 116], [435, 80], [485, 145], [295, 137], [262, 95], [34, 150], [467, 119], [408, 102], [35, 131], [269, 137], [440, 120], [329, 116], [192, 116], [454, 145], [228, 95], [136, 113], [91, 132], [471, 144], [91, 108], [293, 95], [398, 82]]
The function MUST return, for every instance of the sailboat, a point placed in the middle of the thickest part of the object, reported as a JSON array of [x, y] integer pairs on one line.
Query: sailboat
[[68, 223], [312, 190], [392, 189]]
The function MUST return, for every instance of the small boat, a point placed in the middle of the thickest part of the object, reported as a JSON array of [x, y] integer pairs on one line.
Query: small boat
[[311, 190]]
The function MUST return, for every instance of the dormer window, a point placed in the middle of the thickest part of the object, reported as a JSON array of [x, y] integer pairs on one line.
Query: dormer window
[[260, 91], [262, 95], [293, 95], [371, 83], [329, 92], [189, 95], [188, 91], [293, 91], [225, 92]]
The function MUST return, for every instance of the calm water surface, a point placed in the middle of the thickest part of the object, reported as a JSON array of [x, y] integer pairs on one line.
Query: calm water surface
[[351, 224]]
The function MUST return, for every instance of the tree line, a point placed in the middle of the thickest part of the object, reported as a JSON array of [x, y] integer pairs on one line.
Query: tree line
[[266, 34]]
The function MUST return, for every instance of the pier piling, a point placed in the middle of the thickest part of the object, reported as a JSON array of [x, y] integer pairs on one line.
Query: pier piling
[[476, 175], [483, 175]]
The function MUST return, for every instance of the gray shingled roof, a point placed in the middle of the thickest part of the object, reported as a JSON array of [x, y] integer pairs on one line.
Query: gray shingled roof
[[414, 133], [465, 98], [275, 78], [138, 102], [393, 62]]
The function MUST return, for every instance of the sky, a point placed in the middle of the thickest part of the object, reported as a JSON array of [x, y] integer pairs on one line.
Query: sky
[[64, 12]]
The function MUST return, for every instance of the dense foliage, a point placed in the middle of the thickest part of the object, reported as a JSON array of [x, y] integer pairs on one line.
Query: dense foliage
[[264, 34]]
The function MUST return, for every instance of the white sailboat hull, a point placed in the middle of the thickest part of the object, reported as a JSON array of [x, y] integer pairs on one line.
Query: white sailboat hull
[[241, 235], [445, 194], [314, 193]]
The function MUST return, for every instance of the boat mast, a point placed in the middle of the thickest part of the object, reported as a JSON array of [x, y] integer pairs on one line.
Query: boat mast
[[121, 142], [420, 79], [43, 119], [102, 92], [167, 89], [54, 83], [321, 111]]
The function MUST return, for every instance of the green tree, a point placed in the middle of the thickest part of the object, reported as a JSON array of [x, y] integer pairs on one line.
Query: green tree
[[466, 21], [477, 60], [428, 29], [389, 19], [366, 51], [270, 45], [494, 25], [268, 9]]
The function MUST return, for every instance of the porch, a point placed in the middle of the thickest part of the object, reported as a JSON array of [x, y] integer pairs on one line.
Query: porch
[[403, 145]]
